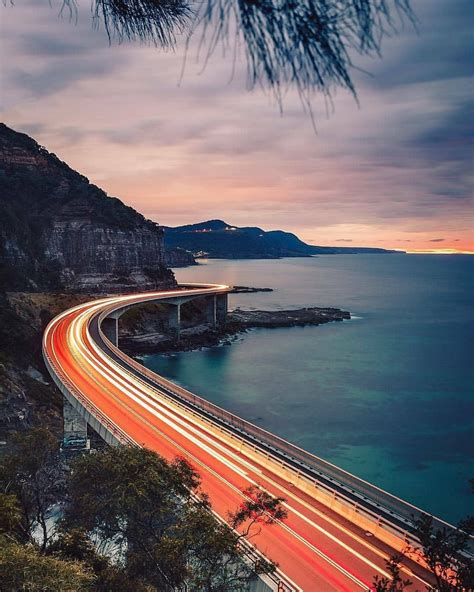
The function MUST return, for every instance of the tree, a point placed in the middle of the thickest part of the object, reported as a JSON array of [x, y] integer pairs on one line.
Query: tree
[[10, 517], [75, 545], [304, 44], [395, 583], [23, 567], [258, 507], [161, 524], [30, 481], [308, 45], [445, 553], [131, 521]]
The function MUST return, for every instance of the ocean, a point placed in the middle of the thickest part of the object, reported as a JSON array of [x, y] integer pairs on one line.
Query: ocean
[[387, 396]]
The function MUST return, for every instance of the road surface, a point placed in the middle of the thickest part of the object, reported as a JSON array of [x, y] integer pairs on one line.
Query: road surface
[[316, 549]]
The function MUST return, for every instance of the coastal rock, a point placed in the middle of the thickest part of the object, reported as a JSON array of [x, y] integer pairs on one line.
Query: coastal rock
[[96, 258], [178, 257], [287, 318], [146, 331], [248, 290]]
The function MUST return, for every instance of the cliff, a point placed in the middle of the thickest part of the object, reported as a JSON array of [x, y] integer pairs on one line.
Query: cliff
[[216, 238], [60, 232], [178, 257], [27, 396]]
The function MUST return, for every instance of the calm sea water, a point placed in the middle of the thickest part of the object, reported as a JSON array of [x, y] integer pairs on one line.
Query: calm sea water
[[387, 396]]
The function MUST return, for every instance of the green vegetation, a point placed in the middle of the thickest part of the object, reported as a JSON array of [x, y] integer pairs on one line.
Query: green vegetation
[[395, 583], [23, 567], [129, 521], [16, 336], [30, 477], [443, 551]]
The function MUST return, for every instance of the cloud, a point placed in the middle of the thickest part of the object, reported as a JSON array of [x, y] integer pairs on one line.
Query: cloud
[[51, 47], [396, 168], [57, 77], [51, 53], [441, 51], [437, 240]]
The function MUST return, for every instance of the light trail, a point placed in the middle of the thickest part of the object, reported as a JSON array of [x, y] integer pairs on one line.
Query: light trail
[[213, 444], [167, 417], [314, 548]]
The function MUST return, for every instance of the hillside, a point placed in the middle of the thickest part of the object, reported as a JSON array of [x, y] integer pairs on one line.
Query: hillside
[[60, 232], [216, 238]]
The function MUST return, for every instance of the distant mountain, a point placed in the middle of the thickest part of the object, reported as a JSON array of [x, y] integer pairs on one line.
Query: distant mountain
[[216, 238], [60, 232]]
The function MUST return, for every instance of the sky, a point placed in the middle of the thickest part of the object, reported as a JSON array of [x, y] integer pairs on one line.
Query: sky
[[394, 170]]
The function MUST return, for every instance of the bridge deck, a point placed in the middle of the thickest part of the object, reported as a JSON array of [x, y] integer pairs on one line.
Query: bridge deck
[[323, 545]]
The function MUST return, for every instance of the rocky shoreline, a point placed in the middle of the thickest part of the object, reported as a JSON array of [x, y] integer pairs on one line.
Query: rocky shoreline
[[29, 398], [238, 322], [248, 290]]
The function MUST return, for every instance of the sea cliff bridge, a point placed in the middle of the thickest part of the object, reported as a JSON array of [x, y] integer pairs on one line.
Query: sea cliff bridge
[[340, 529]]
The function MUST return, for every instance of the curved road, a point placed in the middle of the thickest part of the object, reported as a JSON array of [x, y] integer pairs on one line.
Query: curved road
[[316, 549]]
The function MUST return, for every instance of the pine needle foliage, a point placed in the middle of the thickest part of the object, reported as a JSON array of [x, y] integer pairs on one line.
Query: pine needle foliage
[[152, 21], [304, 44], [307, 45]]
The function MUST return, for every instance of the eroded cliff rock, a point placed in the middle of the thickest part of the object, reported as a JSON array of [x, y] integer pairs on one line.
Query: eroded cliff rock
[[178, 257], [28, 396], [60, 232]]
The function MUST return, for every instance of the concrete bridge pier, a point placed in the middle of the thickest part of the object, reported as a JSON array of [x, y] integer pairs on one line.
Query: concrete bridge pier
[[174, 319], [215, 312], [75, 429], [211, 311], [221, 308]]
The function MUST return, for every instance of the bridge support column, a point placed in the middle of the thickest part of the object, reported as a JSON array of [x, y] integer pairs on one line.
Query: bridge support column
[[110, 329], [75, 429], [174, 319], [211, 311], [221, 308]]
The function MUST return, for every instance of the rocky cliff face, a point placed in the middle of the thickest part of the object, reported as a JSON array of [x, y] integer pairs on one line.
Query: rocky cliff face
[[177, 257], [94, 258], [27, 395], [60, 232]]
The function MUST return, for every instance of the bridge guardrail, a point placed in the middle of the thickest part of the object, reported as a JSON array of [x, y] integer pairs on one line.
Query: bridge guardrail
[[372, 501], [64, 384], [382, 508], [250, 554]]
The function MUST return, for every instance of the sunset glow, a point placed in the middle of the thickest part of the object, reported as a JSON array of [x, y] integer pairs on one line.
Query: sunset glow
[[394, 172], [441, 252], [236, 314]]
